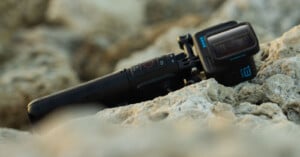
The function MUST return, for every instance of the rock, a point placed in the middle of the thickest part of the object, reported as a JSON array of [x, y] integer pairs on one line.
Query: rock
[[278, 76], [193, 102], [56, 37], [197, 137], [270, 19], [166, 139], [110, 37], [89, 57], [19, 14], [233, 121], [265, 110], [166, 43], [277, 80], [280, 89], [157, 11], [106, 44], [284, 47], [250, 92], [31, 71], [256, 12], [10, 135], [279, 72], [19, 143], [98, 16]]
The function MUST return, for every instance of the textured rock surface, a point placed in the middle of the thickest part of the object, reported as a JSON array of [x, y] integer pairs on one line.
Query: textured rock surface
[[214, 136], [157, 11], [204, 119], [113, 18], [111, 35], [27, 72], [17, 14], [166, 43], [269, 18], [10, 135], [98, 16], [277, 80]]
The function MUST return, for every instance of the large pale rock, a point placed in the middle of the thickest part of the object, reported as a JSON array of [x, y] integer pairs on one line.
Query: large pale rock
[[10, 136], [194, 102], [203, 119], [232, 121], [166, 43], [112, 19], [269, 18], [18, 14], [115, 32], [157, 11], [193, 135], [170, 139], [30, 71], [278, 73], [183, 123], [89, 57]]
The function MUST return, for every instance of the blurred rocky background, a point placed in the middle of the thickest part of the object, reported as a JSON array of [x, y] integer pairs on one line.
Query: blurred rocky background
[[49, 45]]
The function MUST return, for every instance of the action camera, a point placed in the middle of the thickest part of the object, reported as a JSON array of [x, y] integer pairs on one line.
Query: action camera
[[226, 52]]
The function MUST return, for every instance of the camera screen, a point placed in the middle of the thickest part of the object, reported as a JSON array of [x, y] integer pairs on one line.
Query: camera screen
[[231, 42]]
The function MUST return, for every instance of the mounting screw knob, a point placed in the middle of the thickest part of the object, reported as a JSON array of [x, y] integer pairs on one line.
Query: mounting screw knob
[[184, 39]]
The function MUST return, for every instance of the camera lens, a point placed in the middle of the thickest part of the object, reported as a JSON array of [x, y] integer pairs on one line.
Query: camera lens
[[230, 42]]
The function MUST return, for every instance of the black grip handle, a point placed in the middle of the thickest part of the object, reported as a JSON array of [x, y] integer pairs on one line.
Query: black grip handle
[[141, 82], [109, 90]]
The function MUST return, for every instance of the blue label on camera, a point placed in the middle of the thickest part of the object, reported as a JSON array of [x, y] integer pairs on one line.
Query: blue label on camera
[[246, 72], [202, 41]]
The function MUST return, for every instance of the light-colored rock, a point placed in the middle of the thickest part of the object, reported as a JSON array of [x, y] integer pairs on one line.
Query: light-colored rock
[[277, 80], [31, 71], [214, 136], [265, 16], [57, 37], [157, 11], [10, 135], [250, 92], [166, 43], [109, 22], [193, 102], [203, 119], [280, 89], [112, 19], [168, 139], [265, 110], [232, 121], [269, 18], [18, 14], [89, 57]]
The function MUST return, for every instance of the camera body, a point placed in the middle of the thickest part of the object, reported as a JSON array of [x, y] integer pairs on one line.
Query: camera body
[[226, 52]]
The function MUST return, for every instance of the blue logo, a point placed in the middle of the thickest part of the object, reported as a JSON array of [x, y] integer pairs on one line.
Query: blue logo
[[202, 41], [246, 72]]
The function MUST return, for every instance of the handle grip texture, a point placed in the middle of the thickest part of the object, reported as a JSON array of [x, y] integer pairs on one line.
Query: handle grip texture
[[110, 89], [141, 82]]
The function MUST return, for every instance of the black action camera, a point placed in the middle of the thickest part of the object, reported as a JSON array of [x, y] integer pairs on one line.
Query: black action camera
[[224, 52]]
